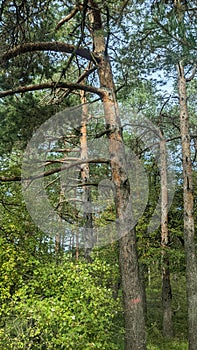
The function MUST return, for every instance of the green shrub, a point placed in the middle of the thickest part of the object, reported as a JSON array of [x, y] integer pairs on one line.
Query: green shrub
[[62, 307]]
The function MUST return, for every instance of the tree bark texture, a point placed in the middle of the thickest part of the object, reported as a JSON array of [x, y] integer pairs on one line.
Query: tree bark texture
[[135, 338], [55, 46], [166, 285], [189, 232], [88, 222]]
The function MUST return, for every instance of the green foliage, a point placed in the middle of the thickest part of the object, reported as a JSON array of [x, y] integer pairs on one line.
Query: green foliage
[[154, 312], [61, 307], [163, 344], [74, 305], [19, 119]]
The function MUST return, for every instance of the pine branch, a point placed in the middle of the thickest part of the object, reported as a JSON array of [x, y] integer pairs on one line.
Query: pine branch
[[192, 74], [53, 85], [67, 18], [179, 40], [55, 46], [16, 178]]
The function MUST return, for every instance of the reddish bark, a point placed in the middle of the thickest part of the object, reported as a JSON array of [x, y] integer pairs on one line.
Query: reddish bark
[[131, 286], [189, 231]]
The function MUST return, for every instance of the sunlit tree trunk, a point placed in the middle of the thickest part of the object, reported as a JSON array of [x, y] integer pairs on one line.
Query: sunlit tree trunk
[[166, 285], [189, 232], [131, 286]]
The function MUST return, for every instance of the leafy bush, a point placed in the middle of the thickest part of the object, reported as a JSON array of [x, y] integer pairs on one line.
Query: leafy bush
[[65, 306]]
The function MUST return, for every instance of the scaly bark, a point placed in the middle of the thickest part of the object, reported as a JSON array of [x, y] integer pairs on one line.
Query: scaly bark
[[135, 338], [189, 231]]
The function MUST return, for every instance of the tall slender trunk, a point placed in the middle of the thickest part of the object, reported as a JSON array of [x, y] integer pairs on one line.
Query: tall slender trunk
[[135, 338], [88, 223], [189, 232], [166, 285], [58, 236], [76, 237]]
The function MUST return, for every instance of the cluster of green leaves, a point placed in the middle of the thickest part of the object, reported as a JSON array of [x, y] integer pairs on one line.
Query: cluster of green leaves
[[66, 306], [70, 305]]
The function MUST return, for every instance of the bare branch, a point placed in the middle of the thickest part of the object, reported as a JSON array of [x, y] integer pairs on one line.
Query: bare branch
[[55, 46], [124, 5], [13, 178], [53, 85], [164, 104], [53, 171], [67, 18], [86, 74], [77, 46], [64, 150], [192, 74], [81, 78]]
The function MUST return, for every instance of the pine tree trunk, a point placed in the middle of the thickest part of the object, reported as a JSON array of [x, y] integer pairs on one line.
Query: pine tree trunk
[[189, 232], [88, 222], [166, 299], [128, 259], [166, 285]]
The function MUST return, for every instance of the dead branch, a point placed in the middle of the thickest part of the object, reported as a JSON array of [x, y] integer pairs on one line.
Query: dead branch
[[53, 171], [77, 46], [192, 74], [67, 18], [81, 78]]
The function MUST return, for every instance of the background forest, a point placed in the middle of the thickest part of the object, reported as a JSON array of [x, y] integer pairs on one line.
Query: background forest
[[98, 146]]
